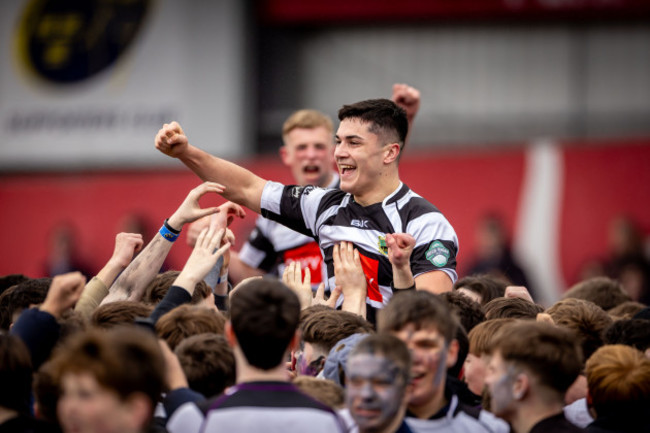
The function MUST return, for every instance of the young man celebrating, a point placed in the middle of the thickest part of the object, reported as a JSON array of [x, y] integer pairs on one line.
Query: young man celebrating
[[377, 384], [423, 321], [404, 240], [531, 367]]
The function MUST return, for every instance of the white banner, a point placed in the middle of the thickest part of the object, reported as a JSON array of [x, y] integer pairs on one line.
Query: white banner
[[88, 84]]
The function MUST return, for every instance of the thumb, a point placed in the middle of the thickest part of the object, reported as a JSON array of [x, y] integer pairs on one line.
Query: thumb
[[320, 292], [334, 296]]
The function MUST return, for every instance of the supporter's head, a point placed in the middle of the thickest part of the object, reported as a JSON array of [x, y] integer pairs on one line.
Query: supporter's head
[[208, 363], [585, 318], [625, 310], [515, 308], [602, 291], [320, 332], [480, 344], [423, 321], [377, 382], [313, 309], [110, 380], [160, 285], [481, 288], [308, 147], [370, 140], [532, 363], [187, 320], [469, 312], [15, 374], [325, 391], [618, 378], [632, 332], [15, 299], [10, 280], [264, 316], [119, 313]]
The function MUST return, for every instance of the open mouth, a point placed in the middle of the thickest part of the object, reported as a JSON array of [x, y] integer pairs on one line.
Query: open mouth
[[311, 169], [417, 377], [346, 169]]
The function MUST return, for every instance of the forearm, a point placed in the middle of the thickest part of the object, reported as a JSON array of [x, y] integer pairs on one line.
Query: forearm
[[242, 186], [93, 294], [355, 304], [402, 277], [109, 272], [132, 282]]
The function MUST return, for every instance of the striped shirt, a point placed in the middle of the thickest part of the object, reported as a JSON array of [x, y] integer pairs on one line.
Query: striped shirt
[[271, 407], [272, 246], [331, 216]]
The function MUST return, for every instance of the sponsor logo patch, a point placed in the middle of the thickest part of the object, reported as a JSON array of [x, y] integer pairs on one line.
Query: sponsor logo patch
[[437, 254]]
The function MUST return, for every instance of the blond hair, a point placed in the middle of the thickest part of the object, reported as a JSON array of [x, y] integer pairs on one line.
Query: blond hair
[[307, 119]]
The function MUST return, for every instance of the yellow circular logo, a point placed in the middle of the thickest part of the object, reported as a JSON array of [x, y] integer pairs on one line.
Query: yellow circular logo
[[67, 41]]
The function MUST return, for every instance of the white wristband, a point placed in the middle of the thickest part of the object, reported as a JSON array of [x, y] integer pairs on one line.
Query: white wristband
[[222, 278]]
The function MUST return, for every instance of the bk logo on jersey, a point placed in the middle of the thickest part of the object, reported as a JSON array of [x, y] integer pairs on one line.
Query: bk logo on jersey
[[363, 224]]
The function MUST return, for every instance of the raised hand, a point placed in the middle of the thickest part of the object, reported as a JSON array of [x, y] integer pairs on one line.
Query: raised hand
[[400, 246], [190, 210], [350, 277], [319, 297], [408, 98], [64, 292], [126, 245], [203, 258], [292, 277], [171, 140]]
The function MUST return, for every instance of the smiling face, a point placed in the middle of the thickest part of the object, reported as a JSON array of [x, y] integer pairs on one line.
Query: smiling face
[[308, 152], [375, 391], [364, 162], [430, 356], [87, 407]]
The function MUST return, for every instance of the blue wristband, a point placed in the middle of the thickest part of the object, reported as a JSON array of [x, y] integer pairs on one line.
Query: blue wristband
[[167, 234]]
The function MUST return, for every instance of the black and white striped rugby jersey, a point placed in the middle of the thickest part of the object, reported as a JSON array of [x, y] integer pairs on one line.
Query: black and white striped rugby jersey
[[331, 216], [271, 246]]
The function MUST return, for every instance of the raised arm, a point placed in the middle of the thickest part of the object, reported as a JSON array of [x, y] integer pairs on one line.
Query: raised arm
[[242, 186], [408, 98], [133, 281], [126, 244]]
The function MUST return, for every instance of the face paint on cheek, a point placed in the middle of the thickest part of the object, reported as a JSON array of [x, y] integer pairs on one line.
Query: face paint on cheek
[[441, 371], [375, 391], [309, 369], [501, 391]]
